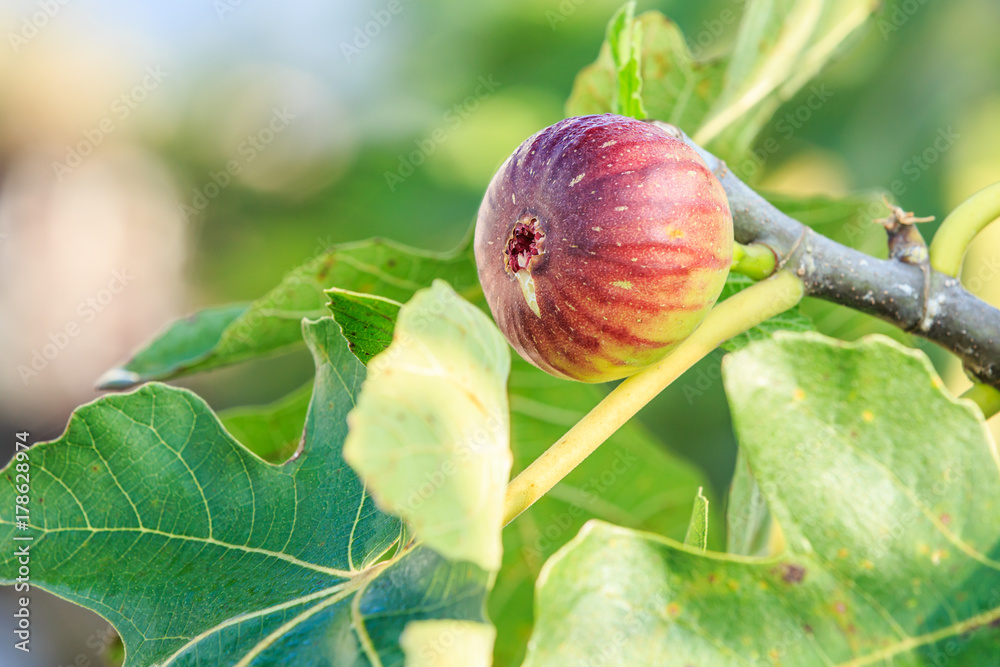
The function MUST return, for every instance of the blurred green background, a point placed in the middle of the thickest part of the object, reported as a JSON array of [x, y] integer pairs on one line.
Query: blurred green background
[[201, 150]]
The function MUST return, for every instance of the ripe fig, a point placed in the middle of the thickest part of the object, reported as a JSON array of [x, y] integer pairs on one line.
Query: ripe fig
[[601, 243]]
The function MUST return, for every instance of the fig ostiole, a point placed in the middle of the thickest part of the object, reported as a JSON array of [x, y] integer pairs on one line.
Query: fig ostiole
[[602, 242]]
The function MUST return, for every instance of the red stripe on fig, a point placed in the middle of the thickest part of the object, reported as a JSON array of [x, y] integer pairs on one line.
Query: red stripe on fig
[[602, 242]]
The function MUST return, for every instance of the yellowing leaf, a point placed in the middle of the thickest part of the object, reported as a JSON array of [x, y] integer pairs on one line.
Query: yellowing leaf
[[430, 433], [448, 644]]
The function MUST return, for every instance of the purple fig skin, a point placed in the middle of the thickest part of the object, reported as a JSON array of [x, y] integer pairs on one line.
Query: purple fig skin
[[602, 242]]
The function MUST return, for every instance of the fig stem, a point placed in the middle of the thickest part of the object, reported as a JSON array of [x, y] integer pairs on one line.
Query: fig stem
[[754, 260], [986, 397], [738, 313], [961, 226]]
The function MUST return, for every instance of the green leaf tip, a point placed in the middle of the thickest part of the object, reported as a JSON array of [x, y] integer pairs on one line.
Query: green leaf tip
[[697, 533], [117, 378], [624, 37], [366, 320], [722, 100]]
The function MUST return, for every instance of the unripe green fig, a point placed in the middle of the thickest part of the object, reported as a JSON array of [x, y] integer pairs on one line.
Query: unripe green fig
[[602, 242]]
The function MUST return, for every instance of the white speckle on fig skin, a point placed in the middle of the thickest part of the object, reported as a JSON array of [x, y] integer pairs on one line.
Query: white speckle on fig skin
[[581, 322]]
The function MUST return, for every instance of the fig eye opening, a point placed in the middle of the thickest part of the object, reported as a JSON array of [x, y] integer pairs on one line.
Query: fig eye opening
[[523, 245]]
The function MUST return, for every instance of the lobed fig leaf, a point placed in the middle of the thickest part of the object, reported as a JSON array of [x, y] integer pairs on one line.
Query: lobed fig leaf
[[200, 553]]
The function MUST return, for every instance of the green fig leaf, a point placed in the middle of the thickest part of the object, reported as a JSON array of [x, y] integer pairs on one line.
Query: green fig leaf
[[887, 490], [270, 325], [366, 320], [148, 512], [781, 45], [675, 88], [184, 342]]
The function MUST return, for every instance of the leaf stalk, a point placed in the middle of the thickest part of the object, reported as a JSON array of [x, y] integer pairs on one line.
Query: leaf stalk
[[737, 314], [986, 397], [961, 227]]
